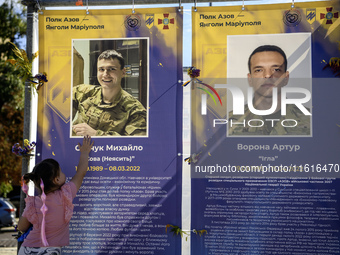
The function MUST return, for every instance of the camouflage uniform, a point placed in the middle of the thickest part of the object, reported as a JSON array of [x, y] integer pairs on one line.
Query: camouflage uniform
[[126, 116], [292, 112]]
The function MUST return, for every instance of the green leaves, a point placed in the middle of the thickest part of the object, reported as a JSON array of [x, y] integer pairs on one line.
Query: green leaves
[[12, 29], [200, 232], [22, 62], [176, 230], [24, 65], [5, 188]]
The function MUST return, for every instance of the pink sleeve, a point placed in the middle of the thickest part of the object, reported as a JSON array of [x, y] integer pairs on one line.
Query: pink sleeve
[[69, 191], [30, 211]]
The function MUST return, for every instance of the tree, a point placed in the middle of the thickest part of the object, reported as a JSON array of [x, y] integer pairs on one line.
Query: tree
[[12, 29]]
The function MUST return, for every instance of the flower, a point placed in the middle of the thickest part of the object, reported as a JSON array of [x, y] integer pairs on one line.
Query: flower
[[38, 80], [25, 150], [42, 77], [194, 72]]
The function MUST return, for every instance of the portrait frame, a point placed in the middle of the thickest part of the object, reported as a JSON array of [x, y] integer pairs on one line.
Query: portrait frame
[[135, 51], [298, 50]]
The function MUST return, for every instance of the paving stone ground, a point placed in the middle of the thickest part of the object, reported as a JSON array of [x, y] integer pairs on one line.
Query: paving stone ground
[[8, 243], [8, 250]]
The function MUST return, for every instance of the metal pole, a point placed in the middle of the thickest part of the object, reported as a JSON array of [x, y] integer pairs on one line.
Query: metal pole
[[31, 13], [28, 91]]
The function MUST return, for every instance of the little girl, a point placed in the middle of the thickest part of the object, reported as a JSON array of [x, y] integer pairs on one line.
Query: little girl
[[51, 211]]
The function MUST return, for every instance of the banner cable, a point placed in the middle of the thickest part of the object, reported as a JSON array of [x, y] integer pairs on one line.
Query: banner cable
[[163, 93], [87, 7], [39, 7], [133, 6], [171, 162]]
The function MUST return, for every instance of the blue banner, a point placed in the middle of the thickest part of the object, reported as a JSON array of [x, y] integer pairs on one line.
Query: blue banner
[[133, 186], [264, 159]]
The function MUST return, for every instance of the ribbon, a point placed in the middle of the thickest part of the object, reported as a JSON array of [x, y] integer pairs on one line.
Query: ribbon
[[194, 73], [24, 186], [43, 209], [193, 158]]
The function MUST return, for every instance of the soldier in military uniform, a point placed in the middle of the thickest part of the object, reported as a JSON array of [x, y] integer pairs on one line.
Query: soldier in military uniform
[[107, 110], [267, 70]]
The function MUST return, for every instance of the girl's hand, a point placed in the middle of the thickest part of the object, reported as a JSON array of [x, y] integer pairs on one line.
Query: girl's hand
[[83, 161], [87, 145]]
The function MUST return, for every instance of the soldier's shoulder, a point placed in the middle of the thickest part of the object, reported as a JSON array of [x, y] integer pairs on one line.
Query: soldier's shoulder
[[86, 89], [130, 101]]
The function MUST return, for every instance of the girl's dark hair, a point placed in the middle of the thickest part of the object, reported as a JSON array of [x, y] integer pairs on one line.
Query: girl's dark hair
[[47, 170]]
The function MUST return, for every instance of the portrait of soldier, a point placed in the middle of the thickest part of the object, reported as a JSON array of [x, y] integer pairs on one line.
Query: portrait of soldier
[[107, 109], [267, 66]]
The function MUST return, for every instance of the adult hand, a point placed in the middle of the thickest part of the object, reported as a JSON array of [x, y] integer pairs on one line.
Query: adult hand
[[83, 129]]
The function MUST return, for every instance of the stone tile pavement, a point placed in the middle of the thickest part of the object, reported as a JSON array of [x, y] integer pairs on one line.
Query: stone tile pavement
[[8, 243], [8, 250], [5, 243]]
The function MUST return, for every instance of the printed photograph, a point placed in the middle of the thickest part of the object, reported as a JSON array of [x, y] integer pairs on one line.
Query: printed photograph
[[270, 77], [110, 80]]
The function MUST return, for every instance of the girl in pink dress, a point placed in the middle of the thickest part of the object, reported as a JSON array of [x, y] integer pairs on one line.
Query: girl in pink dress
[[51, 211]]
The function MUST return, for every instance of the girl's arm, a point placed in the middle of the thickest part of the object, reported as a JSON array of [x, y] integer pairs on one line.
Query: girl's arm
[[23, 224], [83, 161]]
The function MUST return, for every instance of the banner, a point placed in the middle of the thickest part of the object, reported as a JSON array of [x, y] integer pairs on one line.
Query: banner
[[133, 184], [265, 154]]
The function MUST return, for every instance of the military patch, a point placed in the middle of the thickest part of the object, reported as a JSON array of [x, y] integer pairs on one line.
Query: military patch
[[132, 22], [166, 21], [329, 16], [292, 18], [311, 15], [149, 20]]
